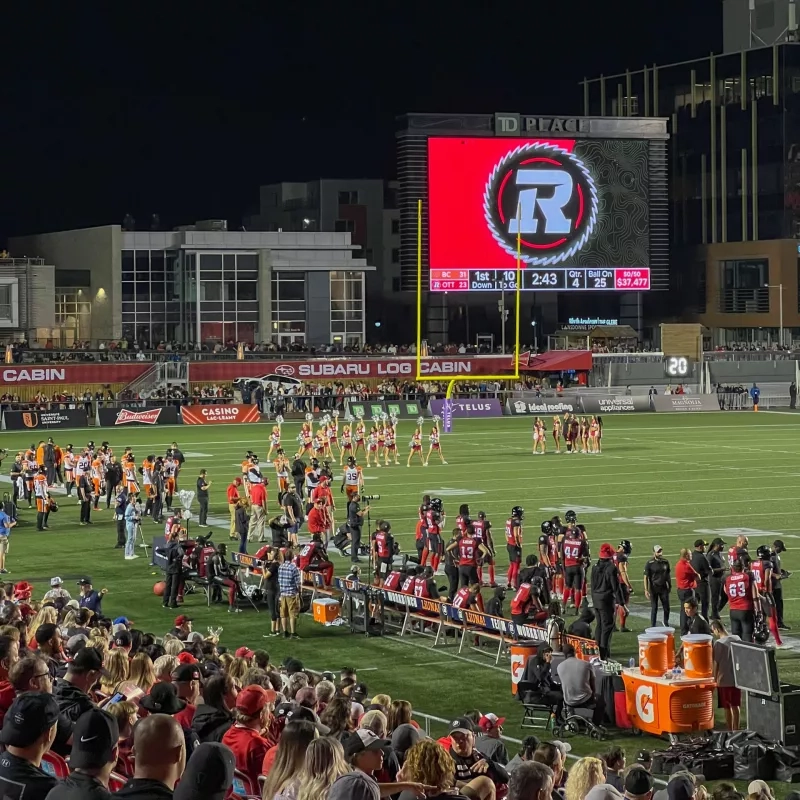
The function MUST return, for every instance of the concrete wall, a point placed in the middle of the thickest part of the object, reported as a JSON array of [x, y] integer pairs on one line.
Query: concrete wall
[[318, 308], [98, 250]]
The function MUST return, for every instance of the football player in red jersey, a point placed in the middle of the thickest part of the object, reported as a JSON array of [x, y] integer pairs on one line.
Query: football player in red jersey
[[514, 544], [407, 585], [483, 533], [313, 558], [434, 520], [527, 604], [393, 580], [382, 549], [575, 552], [742, 596], [420, 536], [469, 550], [424, 584], [762, 575], [469, 597], [624, 549], [463, 520], [739, 552]]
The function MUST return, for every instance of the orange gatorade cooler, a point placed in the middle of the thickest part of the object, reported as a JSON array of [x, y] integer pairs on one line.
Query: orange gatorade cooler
[[652, 654], [670, 634], [326, 610], [520, 653], [697, 655]]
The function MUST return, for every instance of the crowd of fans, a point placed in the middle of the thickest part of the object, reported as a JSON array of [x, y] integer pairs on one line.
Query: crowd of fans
[[91, 706]]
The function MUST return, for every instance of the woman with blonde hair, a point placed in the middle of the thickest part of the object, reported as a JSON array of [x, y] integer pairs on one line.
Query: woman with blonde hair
[[174, 647], [99, 640], [324, 763], [281, 783], [428, 763], [238, 669], [585, 775], [163, 667], [47, 615], [115, 665], [384, 701], [141, 672]]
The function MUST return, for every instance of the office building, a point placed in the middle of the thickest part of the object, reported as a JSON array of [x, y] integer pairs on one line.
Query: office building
[[27, 299]]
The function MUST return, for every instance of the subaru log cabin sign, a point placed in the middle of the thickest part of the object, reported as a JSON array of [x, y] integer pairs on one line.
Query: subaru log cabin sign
[[543, 196]]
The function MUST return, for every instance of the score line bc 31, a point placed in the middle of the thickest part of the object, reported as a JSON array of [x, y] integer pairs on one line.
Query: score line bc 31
[[540, 279]]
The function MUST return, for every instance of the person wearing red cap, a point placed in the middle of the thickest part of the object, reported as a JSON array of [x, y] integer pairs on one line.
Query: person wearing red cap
[[244, 652], [606, 595], [490, 728], [233, 499], [183, 627], [245, 738]]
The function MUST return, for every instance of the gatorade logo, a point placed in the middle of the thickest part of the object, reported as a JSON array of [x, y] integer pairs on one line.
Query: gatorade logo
[[644, 704], [517, 667]]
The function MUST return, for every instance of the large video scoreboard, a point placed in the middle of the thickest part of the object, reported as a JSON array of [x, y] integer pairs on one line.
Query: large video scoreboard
[[580, 203]]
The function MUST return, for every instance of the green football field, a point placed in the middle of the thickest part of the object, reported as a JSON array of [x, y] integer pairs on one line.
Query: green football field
[[661, 479]]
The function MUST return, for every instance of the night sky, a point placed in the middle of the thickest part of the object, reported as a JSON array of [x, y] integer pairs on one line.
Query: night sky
[[165, 108]]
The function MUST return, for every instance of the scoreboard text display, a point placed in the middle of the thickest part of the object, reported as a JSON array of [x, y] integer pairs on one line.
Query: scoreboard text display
[[578, 208]]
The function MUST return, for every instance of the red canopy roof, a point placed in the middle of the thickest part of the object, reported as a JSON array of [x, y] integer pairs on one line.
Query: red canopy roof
[[556, 361]]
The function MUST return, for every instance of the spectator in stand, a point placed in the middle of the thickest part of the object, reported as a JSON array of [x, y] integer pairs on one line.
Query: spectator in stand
[[159, 753], [283, 770], [531, 781], [525, 753], [187, 680], [489, 742], [468, 758], [208, 774], [72, 691], [163, 699], [254, 707], [584, 776], [92, 760], [28, 730], [29, 674], [9, 655], [126, 714], [141, 672], [323, 765], [215, 714], [551, 756]]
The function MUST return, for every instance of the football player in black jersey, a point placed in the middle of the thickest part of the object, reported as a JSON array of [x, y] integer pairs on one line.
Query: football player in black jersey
[[514, 544], [624, 549]]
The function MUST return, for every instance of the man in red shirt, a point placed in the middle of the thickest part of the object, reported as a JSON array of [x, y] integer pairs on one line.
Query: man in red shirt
[[258, 502], [254, 706], [685, 581], [318, 521], [186, 678], [742, 593], [233, 499]]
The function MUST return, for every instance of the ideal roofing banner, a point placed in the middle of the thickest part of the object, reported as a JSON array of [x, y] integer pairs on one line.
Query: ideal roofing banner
[[609, 404], [219, 415], [26, 374], [541, 405], [67, 418], [685, 402], [116, 417], [333, 368], [491, 407]]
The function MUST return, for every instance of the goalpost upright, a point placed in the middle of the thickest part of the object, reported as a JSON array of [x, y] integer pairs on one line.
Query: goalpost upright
[[447, 408]]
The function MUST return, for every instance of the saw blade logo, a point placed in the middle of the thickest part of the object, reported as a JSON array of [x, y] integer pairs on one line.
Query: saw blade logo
[[547, 195]]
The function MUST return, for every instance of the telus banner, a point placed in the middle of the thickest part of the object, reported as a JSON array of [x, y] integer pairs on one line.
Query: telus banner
[[491, 407]]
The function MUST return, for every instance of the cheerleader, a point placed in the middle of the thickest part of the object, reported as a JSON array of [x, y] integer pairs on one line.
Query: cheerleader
[[557, 433], [416, 447], [274, 440], [305, 439], [333, 433], [539, 437], [281, 464], [390, 443], [435, 444], [372, 446], [347, 444], [381, 438], [584, 432], [599, 433], [318, 444], [594, 429], [358, 437]]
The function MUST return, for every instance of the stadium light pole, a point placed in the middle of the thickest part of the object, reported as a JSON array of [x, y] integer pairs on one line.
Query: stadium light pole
[[779, 287]]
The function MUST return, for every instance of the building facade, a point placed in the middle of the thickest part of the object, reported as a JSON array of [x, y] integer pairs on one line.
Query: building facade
[[734, 122], [27, 299], [366, 209], [204, 284]]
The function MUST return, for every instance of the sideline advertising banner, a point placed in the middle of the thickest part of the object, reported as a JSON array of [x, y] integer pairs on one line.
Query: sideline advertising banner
[[610, 404], [219, 415], [490, 407], [685, 402], [403, 409], [114, 417], [541, 406], [118, 372], [66, 418]]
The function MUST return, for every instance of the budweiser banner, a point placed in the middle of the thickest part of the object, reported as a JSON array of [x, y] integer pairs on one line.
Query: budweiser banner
[[341, 368], [22, 420], [685, 402], [102, 373], [116, 417], [491, 407], [219, 415]]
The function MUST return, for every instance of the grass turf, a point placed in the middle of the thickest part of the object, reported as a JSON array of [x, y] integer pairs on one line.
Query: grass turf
[[663, 479]]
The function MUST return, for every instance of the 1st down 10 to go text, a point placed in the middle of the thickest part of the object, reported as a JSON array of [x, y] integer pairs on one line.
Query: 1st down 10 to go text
[[538, 279]]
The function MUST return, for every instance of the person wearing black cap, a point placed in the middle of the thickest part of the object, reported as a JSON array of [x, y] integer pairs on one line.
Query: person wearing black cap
[[29, 729], [701, 567], [72, 691], [469, 762], [778, 574], [93, 758], [638, 784], [163, 699], [716, 578], [187, 680], [208, 774]]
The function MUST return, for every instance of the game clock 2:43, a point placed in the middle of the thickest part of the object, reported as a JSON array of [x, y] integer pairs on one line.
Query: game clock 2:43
[[677, 366]]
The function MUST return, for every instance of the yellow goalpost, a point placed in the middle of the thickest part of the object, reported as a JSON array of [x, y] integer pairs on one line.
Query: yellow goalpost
[[517, 308]]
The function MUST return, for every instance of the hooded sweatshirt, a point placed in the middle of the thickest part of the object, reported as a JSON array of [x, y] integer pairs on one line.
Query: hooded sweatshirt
[[582, 626], [210, 723]]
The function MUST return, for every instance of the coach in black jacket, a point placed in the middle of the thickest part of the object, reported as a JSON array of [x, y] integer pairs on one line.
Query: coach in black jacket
[[606, 595]]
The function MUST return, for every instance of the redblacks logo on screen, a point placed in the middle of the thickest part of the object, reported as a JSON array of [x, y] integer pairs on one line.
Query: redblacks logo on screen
[[541, 198], [149, 417]]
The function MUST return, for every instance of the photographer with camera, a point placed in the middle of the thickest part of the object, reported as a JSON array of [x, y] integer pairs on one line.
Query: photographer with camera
[[133, 516], [355, 520]]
